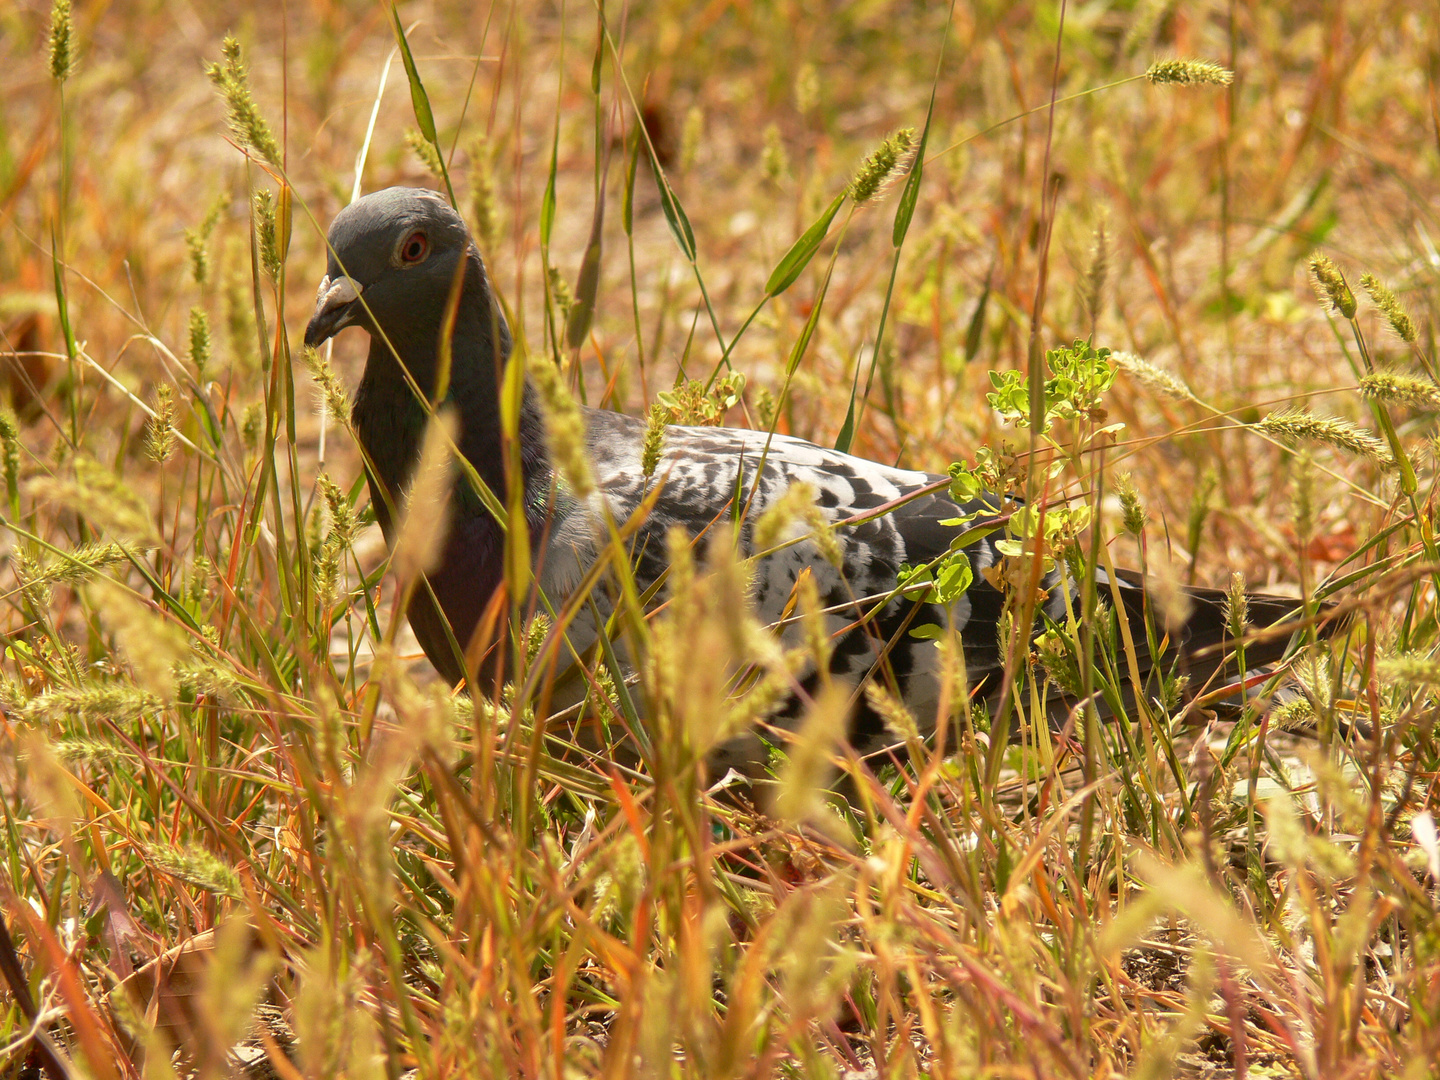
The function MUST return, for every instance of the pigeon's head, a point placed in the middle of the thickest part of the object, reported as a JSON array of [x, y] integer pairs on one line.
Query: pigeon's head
[[393, 259]]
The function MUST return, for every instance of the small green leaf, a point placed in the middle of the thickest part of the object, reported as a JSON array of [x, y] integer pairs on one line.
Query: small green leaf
[[976, 326], [911, 195], [964, 484], [627, 217], [954, 578], [418, 98], [599, 58], [847, 429], [802, 251], [62, 305], [675, 214], [803, 341], [547, 201], [420, 102], [586, 285]]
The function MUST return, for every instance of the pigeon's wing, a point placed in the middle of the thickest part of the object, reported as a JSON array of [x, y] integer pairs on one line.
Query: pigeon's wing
[[883, 518], [711, 478]]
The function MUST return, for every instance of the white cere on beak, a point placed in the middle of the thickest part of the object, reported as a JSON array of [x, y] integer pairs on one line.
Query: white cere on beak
[[332, 294]]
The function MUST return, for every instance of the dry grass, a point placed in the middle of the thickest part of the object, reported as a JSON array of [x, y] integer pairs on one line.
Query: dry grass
[[210, 721]]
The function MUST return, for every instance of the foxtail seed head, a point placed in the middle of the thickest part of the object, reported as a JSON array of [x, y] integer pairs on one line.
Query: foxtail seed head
[[1188, 73], [1396, 315], [62, 41], [199, 341], [1401, 388], [1332, 286], [651, 448], [890, 160], [1294, 425], [160, 431], [565, 426], [247, 125]]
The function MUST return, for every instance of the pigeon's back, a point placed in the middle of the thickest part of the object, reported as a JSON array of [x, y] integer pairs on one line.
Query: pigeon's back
[[709, 481]]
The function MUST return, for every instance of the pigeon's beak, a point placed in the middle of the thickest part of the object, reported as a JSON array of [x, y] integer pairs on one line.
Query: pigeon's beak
[[337, 305]]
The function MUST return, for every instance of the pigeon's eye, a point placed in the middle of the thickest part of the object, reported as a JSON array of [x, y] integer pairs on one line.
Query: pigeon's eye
[[415, 247]]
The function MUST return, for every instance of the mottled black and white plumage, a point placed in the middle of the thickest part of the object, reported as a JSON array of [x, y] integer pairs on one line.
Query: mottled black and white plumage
[[393, 257]]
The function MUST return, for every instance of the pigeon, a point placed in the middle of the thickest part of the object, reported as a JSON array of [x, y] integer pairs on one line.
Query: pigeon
[[393, 258]]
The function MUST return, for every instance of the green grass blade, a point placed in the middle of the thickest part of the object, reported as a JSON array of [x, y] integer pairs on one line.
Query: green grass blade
[[587, 285], [420, 101], [789, 269]]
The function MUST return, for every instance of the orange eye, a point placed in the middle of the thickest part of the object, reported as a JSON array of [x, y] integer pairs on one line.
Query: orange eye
[[415, 248]]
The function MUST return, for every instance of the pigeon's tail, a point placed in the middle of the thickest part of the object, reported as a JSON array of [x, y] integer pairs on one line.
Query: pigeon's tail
[[1199, 642]]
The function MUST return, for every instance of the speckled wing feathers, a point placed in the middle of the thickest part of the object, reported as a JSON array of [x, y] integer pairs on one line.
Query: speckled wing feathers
[[700, 472]]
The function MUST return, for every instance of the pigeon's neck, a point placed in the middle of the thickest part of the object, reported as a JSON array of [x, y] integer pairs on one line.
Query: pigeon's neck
[[390, 417]]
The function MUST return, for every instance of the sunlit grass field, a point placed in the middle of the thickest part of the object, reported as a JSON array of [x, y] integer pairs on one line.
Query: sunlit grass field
[[248, 831]]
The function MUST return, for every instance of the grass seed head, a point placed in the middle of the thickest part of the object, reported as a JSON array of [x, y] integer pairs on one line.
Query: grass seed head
[[1312, 672], [807, 88], [774, 161], [196, 866], [882, 167], [425, 151], [252, 423], [1061, 664], [337, 505], [1177, 72], [1396, 315], [1172, 602], [198, 240], [1410, 669], [897, 718], [1401, 388], [822, 534], [1097, 273], [199, 256], [200, 583], [484, 205], [160, 430], [265, 234], [536, 631], [34, 589], [1292, 715], [84, 563], [10, 453], [199, 341], [62, 41], [690, 136], [565, 425], [1132, 509], [775, 523], [1237, 605], [427, 504], [1302, 499], [329, 572], [1155, 378], [1108, 150], [561, 292], [232, 79], [807, 770], [654, 442], [1331, 285], [812, 617], [93, 702], [765, 407], [1200, 508], [327, 381], [1296, 425]]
